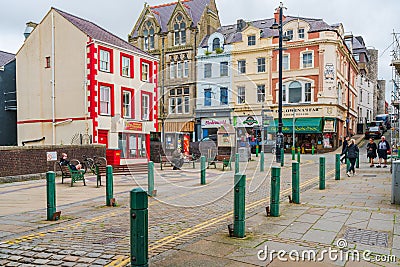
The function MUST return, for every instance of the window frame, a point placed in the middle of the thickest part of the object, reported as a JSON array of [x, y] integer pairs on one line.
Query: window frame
[[132, 102], [224, 66], [301, 35], [150, 109], [308, 65], [261, 66], [241, 95], [260, 94], [288, 61], [111, 99], [215, 45], [223, 96], [306, 92], [110, 62], [241, 66], [172, 70], [251, 40], [186, 69], [207, 97], [179, 31], [150, 70], [131, 62], [289, 36], [207, 70]]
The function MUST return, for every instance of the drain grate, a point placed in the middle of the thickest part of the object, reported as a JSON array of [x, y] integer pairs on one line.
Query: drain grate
[[366, 237], [369, 175]]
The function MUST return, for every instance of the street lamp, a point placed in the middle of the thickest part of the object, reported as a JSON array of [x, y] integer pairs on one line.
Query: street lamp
[[279, 136]]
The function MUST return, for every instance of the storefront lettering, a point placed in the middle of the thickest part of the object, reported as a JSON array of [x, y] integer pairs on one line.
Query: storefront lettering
[[212, 122], [133, 126]]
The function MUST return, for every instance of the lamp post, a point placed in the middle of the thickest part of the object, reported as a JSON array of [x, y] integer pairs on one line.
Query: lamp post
[[349, 44], [279, 136]]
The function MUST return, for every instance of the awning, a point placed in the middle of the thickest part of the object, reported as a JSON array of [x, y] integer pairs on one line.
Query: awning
[[302, 126]]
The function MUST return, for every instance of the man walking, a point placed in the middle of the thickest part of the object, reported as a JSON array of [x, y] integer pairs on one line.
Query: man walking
[[383, 148]]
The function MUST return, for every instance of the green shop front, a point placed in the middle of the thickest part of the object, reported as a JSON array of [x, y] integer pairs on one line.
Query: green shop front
[[308, 132]]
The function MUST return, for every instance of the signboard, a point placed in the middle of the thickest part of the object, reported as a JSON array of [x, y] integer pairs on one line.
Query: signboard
[[329, 126], [133, 126], [51, 156], [248, 121]]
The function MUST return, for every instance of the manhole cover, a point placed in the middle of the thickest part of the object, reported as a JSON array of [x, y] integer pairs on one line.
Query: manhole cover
[[369, 175], [366, 237]]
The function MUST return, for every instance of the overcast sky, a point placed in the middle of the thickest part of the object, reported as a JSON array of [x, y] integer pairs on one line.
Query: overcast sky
[[372, 19]]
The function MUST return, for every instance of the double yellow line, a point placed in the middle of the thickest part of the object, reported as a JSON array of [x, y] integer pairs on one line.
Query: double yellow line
[[166, 240]]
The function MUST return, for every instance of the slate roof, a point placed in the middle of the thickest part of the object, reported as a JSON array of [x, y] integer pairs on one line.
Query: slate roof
[[232, 35], [6, 58], [96, 32], [162, 13]]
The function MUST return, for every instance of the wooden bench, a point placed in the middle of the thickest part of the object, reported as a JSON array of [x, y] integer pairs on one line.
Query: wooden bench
[[127, 169], [224, 159], [164, 161], [75, 175]]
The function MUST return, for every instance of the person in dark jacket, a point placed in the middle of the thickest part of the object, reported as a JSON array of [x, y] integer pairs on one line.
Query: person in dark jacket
[[371, 151], [65, 162], [383, 148], [352, 154], [344, 149]]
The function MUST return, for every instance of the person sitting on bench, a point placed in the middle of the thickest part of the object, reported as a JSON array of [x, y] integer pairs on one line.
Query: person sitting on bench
[[177, 159], [65, 162]]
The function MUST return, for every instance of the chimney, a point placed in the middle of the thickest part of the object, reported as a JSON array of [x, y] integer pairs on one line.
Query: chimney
[[30, 26], [241, 24], [276, 15]]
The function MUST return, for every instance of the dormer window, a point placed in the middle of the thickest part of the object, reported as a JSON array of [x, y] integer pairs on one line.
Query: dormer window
[[148, 35], [289, 35], [301, 33], [216, 44], [251, 40], [179, 31]]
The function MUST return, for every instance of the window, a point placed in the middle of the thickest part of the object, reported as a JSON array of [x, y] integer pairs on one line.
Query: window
[[216, 44], [180, 70], [241, 95], [301, 33], [289, 34], [148, 36], [186, 69], [126, 65], [48, 62], [339, 91], [307, 59], [361, 95], [207, 70], [106, 59], [261, 64], [307, 92], [283, 93], [207, 97], [251, 40], [132, 145], [294, 92], [357, 57], [145, 72], [146, 111], [260, 93], [223, 96], [242, 66], [179, 30], [172, 69], [127, 104], [223, 69], [285, 62], [179, 101], [106, 99]]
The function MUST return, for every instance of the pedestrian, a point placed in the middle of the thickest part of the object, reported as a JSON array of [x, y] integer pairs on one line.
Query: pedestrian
[[383, 149], [352, 154], [371, 152], [65, 162], [177, 159], [344, 149]]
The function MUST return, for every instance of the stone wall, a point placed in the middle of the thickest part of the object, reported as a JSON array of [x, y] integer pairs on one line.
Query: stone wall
[[18, 160], [372, 75], [381, 97]]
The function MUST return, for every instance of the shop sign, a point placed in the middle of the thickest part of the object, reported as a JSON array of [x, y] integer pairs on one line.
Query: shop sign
[[133, 126], [250, 121], [329, 126], [214, 122]]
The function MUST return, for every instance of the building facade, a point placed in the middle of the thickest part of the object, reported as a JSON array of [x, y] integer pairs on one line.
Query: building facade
[[8, 108], [172, 32], [78, 83]]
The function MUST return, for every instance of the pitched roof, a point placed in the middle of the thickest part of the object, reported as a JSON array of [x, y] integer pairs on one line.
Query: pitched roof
[[96, 32], [232, 35], [6, 58], [163, 13]]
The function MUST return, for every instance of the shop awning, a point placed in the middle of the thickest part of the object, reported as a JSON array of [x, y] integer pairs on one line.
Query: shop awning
[[302, 125], [308, 125]]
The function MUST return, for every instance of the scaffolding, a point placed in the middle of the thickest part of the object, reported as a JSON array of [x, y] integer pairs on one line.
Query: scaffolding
[[395, 96]]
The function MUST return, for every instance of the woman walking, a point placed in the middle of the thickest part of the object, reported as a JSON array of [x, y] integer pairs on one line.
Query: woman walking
[[352, 153], [371, 152]]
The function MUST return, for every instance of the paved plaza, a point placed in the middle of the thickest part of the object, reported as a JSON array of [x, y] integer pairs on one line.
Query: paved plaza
[[188, 221]]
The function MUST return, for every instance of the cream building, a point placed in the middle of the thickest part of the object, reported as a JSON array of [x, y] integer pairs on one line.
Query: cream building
[[76, 82]]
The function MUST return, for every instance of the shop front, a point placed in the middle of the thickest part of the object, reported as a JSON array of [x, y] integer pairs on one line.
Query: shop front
[[133, 142], [210, 126], [178, 134], [248, 130]]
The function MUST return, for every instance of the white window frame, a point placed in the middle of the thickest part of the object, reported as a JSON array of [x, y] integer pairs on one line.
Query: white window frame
[[262, 65], [224, 65], [241, 65], [286, 92], [207, 70], [145, 66], [145, 107], [186, 100], [251, 40], [290, 37], [105, 100], [241, 95], [179, 71], [126, 69], [262, 95], [172, 70], [299, 33], [105, 60], [302, 54], [172, 105], [220, 96], [127, 107], [186, 69], [288, 61]]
